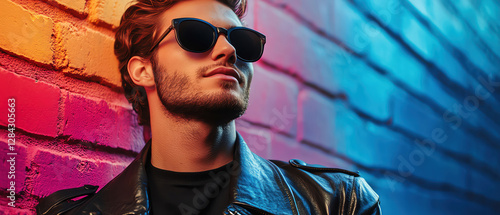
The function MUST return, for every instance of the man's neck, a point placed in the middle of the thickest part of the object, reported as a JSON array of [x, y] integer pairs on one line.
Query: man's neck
[[190, 146]]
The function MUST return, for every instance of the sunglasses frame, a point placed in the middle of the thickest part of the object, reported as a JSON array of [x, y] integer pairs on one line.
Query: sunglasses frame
[[216, 30]]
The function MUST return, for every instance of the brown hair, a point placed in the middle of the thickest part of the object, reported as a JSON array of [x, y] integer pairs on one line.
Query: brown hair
[[135, 36]]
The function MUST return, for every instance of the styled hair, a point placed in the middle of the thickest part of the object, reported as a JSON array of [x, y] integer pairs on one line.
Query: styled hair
[[136, 34]]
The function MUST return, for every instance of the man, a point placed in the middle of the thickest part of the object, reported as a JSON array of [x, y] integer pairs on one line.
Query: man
[[186, 69]]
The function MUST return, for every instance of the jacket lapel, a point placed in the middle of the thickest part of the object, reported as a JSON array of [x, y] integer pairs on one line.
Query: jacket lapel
[[260, 184]]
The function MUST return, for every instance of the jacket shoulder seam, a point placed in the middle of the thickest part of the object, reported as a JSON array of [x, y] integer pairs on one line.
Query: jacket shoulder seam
[[313, 167]]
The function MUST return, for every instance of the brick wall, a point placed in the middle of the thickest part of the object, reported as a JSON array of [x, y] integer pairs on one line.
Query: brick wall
[[404, 91]]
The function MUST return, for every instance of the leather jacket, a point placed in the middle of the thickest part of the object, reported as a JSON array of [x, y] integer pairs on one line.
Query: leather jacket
[[261, 187]]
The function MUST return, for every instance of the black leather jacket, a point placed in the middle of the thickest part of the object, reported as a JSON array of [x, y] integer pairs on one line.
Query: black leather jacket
[[262, 187]]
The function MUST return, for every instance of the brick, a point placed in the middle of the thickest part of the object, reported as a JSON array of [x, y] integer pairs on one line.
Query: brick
[[273, 101], [107, 11], [385, 51], [350, 26], [435, 170], [351, 139], [460, 141], [20, 165], [258, 139], [285, 148], [412, 31], [425, 126], [489, 9], [316, 121], [31, 97], [310, 56], [418, 36], [24, 33], [77, 5], [476, 22], [483, 185], [469, 110], [368, 144], [401, 21], [317, 13], [314, 156], [7, 210], [393, 15], [279, 51], [457, 33], [378, 147], [101, 122], [412, 161], [401, 198], [366, 89], [357, 140], [395, 59], [278, 147], [434, 90], [58, 171], [86, 52], [413, 115]]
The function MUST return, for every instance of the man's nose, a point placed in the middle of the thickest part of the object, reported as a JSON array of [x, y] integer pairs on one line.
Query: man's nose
[[223, 50]]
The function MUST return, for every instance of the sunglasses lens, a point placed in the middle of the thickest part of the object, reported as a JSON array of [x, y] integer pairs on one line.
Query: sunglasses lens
[[247, 43], [195, 36]]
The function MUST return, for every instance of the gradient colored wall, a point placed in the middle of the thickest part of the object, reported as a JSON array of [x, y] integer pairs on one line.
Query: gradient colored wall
[[406, 92]]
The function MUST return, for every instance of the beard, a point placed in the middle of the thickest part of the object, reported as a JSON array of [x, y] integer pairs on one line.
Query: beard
[[183, 100]]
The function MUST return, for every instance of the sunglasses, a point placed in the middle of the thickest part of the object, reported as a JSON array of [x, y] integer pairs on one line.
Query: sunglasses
[[196, 35]]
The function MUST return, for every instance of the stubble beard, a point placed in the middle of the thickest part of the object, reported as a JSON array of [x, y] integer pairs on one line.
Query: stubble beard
[[182, 100]]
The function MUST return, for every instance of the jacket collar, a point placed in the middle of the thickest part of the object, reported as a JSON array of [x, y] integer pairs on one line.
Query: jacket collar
[[259, 184]]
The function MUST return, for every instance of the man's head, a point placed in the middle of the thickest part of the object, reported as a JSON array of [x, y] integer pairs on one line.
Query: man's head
[[183, 78]]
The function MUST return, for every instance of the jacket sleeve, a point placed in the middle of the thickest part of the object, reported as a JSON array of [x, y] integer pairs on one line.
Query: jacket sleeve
[[363, 199]]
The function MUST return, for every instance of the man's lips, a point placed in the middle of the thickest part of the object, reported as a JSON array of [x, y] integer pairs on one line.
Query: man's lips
[[224, 71]]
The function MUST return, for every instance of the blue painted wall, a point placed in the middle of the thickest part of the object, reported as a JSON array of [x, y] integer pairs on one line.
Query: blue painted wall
[[406, 92]]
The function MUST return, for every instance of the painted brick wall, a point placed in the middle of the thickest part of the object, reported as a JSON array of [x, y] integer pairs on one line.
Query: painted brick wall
[[404, 91]]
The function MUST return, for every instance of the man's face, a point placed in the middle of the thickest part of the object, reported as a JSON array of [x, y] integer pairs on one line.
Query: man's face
[[182, 77]]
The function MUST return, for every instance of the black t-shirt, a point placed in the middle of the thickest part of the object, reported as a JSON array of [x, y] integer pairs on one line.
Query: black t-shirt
[[191, 193]]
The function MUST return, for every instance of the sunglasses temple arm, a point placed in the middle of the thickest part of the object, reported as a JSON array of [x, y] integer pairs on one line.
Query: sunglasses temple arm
[[161, 38]]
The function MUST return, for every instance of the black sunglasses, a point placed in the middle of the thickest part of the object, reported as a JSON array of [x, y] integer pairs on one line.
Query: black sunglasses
[[196, 35]]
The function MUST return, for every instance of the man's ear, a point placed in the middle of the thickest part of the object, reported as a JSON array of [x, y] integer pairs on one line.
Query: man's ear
[[141, 71]]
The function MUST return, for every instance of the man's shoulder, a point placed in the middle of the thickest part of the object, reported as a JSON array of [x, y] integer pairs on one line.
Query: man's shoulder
[[302, 168], [345, 189], [124, 194], [298, 172]]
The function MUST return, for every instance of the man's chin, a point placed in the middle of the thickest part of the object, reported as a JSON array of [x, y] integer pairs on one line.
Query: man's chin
[[220, 109], [225, 111]]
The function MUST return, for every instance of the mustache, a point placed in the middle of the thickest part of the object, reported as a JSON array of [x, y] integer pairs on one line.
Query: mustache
[[202, 71]]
